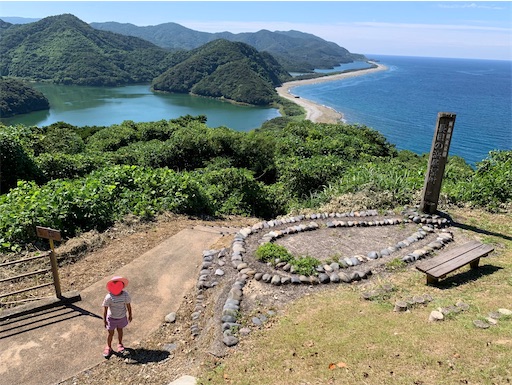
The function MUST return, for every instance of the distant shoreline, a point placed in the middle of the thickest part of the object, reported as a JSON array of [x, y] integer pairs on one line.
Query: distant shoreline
[[315, 112]]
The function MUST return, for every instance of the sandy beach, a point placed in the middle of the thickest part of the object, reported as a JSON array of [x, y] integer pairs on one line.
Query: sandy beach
[[315, 112]]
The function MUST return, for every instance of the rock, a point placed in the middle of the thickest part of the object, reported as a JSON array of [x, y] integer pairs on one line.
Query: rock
[[230, 341], [491, 321], [258, 276], [304, 279], [285, 280], [505, 312], [355, 261], [373, 255], [248, 271], [335, 266], [400, 306], [323, 278], [228, 318], [435, 316], [334, 278], [241, 266], [344, 277], [169, 347], [170, 318], [235, 293], [276, 280], [481, 324], [462, 305], [314, 280], [219, 272], [232, 326], [495, 315], [256, 321], [244, 331]]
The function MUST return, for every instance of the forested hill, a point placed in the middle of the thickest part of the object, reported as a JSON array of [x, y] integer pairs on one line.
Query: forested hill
[[296, 51], [231, 70], [17, 97], [64, 49]]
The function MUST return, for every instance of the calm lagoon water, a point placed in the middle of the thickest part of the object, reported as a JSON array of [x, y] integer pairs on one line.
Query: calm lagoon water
[[104, 106]]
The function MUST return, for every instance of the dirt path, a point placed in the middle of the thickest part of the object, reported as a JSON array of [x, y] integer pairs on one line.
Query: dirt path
[[52, 345]]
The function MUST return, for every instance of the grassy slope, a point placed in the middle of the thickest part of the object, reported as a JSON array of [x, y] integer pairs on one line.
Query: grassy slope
[[368, 343]]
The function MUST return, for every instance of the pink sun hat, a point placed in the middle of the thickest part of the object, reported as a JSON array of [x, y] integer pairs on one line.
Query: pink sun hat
[[116, 285]]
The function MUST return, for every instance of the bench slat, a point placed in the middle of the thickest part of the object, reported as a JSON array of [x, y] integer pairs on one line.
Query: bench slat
[[457, 262], [453, 253]]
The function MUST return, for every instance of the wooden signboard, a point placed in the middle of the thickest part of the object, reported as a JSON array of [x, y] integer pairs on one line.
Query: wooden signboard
[[47, 233], [52, 235], [437, 162]]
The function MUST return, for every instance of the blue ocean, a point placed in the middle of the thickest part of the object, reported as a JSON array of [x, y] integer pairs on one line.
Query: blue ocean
[[403, 102]]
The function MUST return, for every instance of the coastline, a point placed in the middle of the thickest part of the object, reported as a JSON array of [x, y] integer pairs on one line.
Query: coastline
[[315, 112]]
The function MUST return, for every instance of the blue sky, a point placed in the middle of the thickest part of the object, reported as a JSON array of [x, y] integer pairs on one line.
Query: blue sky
[[473, 29]]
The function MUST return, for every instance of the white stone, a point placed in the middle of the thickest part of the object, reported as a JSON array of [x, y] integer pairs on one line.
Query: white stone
[[505, 311], [170, 318], [435, 316]]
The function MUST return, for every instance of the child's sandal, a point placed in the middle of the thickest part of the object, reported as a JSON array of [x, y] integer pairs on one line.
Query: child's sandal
[[107, 352], [120, 348]]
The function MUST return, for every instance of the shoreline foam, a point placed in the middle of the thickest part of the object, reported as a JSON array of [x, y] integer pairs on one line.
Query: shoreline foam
[[315, 112]]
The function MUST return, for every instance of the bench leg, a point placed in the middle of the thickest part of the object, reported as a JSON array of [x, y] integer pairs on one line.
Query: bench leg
[[475, 263], [431, 280]]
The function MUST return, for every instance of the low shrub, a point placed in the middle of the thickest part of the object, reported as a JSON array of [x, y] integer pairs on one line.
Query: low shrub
[[270, 252]]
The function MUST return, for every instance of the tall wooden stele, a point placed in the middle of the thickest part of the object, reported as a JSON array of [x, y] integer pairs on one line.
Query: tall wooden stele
[[437, 162]]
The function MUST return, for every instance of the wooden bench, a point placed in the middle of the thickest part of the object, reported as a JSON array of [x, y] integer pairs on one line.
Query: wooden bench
[[451, 260]]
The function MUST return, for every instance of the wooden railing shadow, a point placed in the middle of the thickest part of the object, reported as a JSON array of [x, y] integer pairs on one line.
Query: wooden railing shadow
[[38, 318]]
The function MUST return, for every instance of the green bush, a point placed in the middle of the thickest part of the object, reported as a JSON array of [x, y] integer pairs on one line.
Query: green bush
[[305, 265], [235, 191], [15, 162], [64, 166], [270, 252], [61, 138], [490, 185]]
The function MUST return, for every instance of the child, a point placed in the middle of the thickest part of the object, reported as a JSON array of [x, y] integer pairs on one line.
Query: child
[[115, 304]]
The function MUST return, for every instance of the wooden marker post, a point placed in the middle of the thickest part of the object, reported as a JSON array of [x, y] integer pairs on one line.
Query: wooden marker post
[[51, 234], [437, 162]]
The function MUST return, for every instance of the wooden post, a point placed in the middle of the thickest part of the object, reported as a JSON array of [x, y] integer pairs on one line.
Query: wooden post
[[51, 234], [437, 162]]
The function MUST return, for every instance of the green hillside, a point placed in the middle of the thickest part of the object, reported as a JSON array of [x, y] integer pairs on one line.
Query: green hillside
[[79, 179], [64, 49], [295, 51], [17, 97], [234, 71]]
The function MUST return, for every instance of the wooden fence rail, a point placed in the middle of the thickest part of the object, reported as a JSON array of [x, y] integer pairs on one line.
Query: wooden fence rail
[[53, 268]]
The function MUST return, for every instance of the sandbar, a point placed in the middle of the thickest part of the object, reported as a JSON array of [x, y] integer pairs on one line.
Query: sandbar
[[315, 112]]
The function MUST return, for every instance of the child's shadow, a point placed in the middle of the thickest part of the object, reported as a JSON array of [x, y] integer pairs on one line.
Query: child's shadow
[[142, 356]]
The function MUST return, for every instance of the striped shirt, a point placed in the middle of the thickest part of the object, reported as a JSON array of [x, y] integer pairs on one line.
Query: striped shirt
[[116, 304]]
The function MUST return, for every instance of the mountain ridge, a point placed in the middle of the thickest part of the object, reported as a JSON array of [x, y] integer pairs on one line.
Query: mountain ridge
[[65, 49], [296, 51]]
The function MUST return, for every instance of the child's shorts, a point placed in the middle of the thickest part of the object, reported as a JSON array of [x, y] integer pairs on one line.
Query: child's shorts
[[116, 323]]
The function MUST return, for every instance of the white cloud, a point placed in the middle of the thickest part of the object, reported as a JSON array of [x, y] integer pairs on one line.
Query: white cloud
[[471, 6]]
